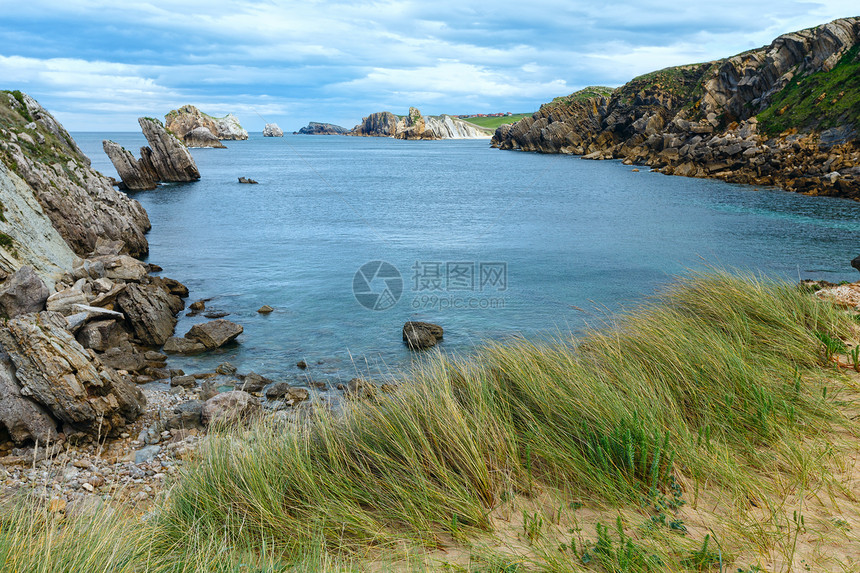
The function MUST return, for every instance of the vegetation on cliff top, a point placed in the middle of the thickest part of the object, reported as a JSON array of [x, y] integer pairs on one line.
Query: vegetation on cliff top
[[584, 94], [818, 101], [720, 393], [494, 122]]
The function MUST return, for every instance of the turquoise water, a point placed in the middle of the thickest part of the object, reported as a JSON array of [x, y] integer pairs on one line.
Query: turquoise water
[[560, 241]]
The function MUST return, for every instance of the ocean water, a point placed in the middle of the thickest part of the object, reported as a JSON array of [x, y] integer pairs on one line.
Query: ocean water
[[489, 244]]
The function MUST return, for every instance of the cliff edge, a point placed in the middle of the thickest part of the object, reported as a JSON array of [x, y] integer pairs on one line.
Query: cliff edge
[[786, 114], [415, 126]]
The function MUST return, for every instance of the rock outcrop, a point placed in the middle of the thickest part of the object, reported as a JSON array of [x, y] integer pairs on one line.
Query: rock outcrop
[[779, 115], [272, 130], [187, 118], [47, 181], [165, 159], [315, 128], [421, 335], [416, 126], [202, 137]]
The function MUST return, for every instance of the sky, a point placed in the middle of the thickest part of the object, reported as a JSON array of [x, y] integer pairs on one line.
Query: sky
[[97, 65]]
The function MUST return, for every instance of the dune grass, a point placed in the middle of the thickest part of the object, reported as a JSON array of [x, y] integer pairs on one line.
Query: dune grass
[[719, 382]]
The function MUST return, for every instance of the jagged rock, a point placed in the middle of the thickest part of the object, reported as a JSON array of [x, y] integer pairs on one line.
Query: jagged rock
[[202, 137], [23, 293], [187, 118], [416, 126], [168, 156], [215, 333], [379, 124], [421, 335], [135, 175], [315, 128], [272, 130], [286, 393], [79, 202], [65, 300], [54, 370], [102, 335], [124, 357], [148, 309], [247, 180], [230, 408], [186, 415], [22, 417], [172, 286], [176, 345]]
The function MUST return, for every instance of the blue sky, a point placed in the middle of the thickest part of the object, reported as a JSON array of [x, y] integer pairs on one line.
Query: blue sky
[[98, 65]]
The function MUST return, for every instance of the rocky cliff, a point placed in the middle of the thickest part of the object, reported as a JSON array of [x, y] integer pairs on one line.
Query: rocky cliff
[[786, 114], [416, 126], [181, 122], [165, 159], [81, 318], [315, 128]]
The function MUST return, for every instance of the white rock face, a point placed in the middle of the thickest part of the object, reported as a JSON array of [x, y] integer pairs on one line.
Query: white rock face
[[272, 130], [230, 128], [35, 241], [446, 127]]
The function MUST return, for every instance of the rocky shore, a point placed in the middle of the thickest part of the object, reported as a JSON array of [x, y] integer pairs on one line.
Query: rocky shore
[[783, 115]]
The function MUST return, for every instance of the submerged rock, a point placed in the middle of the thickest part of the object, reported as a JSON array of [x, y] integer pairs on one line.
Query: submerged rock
[[421, 335]]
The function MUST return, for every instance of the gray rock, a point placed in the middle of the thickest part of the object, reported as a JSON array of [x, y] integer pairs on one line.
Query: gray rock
[[225, 369], [286, 393], [102, 335], [176, 345], [230, 407], [184, 381], [170, 159], [65, 300], [186, 415], [22, 417], [202, 137], [214, 334], [54, 370], [146, 454], [253, 383], [148, 309], [23, 293], [421, 335], [123, 357], [272, 130], [136, 175]]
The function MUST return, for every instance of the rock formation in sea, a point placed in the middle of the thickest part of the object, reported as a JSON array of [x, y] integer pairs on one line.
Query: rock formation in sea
[[188, 118], [272, 130], [785, 114], [202, 137], [165, 159], [82, 318], [315, 128], [416, 126]]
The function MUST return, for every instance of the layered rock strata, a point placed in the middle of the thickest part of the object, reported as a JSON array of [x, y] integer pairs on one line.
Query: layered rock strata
[[416, 126], [187, 118]]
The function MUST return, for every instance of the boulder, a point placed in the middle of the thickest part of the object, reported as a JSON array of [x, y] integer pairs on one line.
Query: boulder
[[23, 293], [215, 333], [286, 393], [202, 137], [184, 381], [102, 335], [186, 415], [253, 383], [146, 454], [421, 335], [149, 311], [167, 156], [272, 130], [123, 357], [65, 301], [135, 175], [176, 345], [122, 268], [53, 369], [265, 309], [855, 262], [230, 408], [22, 417]]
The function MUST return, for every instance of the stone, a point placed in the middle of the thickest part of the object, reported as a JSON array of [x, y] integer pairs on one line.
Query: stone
[[54, 370], [102, 335], [421, 335], [253, 383], [186, 415], [214, 334], [202, 137], [216, 314], [855, 262], [301, 364], [197, 306], [135, 175], [265, 309], [23, 418], [23, 293], [65, 300], [149, 311], [123, 357], [167, 155], [316, 128], [176, 345], [230, 408], [286, 393], [123, 268], [146, 454], [225, 369], [247, 180], [184, 381], [272, 130]]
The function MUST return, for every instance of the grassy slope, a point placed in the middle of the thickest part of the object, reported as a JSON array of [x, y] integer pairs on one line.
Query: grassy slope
[[715, 391], [494, 122], [820, 100], [584, 94]]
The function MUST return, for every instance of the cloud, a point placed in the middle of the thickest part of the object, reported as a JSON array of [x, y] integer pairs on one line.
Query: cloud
[[103, 63]]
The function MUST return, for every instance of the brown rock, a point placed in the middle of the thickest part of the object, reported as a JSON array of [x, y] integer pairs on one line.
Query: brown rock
[[176, 345], [102, 335], [23, 293], [22, 417], [230, 408], [420, 335], [215, 333], [148, 310]]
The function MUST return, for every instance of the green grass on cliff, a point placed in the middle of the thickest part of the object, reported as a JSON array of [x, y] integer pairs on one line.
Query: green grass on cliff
[[494, 122], [818, 101], [719, 392], [583, 95]]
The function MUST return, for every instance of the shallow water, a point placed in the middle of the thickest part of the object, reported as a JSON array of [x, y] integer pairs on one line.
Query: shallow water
[[506, 243]]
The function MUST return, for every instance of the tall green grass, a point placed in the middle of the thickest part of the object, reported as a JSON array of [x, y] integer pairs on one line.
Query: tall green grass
[[717, 379]]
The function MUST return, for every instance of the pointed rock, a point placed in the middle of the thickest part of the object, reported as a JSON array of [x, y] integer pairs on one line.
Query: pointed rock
[[135, 175], [168, 156]]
